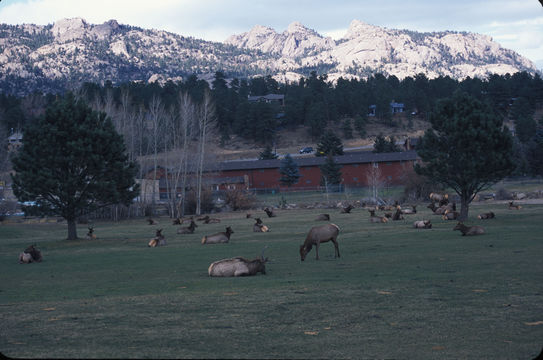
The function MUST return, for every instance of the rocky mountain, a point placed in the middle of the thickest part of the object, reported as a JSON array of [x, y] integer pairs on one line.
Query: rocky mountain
[[72, 51]]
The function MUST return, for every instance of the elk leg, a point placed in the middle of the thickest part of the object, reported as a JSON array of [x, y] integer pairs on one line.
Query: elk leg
[[317, 249], [336, 246]]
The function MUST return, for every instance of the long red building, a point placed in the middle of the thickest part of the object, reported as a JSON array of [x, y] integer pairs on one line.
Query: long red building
[[357, 169]]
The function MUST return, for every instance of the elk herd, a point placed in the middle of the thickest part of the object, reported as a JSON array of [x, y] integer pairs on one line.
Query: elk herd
[[240, 266]]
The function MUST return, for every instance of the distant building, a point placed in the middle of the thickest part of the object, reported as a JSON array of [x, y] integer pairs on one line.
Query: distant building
[[15, 141], [372, 110], [396, 107], [270, 99]]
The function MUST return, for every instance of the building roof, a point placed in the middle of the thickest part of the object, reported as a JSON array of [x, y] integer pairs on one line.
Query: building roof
[[361, 157], [267, 97]]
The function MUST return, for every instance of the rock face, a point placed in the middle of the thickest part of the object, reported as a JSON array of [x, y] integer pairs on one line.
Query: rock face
[[49, 58]]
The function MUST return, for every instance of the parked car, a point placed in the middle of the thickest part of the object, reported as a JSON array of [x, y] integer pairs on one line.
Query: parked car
[[306, 150]]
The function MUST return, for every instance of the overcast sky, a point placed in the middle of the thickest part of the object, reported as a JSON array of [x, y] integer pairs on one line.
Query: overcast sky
[[515, 24]]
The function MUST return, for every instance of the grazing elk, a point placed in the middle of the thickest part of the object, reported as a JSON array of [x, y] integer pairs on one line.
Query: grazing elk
[[188, 229], [152, 222], [422, 224], [450, 215], [238, 266], [347, 209], [91, 235], [158, 240], [259, 226], [469, 230], [270, 212], [488, 215], [222, 237], [323, 217], [514, 206], [29, 255], [318, 235]]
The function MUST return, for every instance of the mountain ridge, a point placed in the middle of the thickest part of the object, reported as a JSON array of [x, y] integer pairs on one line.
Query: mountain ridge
[[71, 51]]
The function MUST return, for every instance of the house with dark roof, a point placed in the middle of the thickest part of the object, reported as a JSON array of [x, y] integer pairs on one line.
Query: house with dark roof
[[270, 98]]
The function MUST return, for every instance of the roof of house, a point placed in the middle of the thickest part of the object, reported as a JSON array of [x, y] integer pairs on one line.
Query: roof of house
[[349, 158], [267, 97]]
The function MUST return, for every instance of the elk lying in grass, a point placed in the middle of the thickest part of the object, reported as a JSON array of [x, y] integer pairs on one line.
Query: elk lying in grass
[[238, 266], [411, 211], [91, 235], [450, 215], [181, 221], [152, 222], [270, 212], [323, 217], [488, 215], [158, 240], [397, 214], [422, 224], [259, 226], [514, 206], [347, 209], [188, 229], [441, 209], [318, 235], [469, 230], [441, 199], [222, 237], [207, 220], [29, 255]]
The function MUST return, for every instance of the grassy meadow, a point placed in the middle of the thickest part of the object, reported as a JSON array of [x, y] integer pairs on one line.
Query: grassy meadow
[[396, 292]]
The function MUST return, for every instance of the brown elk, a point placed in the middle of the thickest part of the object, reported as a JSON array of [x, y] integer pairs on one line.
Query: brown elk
[[259, 226], [469, 230], [248, 216], [488, 215], [422, 224], [378, 219], [91, 235], [207, 220], [188, 229], [398, 214], [442, 199], [514, 206], [270, 212], [347, 209], [29, 255], [152, 222], [238, 266], [323, 217], [158, 240], [441, 209], [318, 235], [450, 215], [411, 211], [222, 237]]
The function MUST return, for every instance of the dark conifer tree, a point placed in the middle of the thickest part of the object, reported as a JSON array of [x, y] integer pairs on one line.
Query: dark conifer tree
[[289, 171]]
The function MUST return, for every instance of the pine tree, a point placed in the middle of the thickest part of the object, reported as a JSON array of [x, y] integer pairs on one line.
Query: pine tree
[[73, 162], [289, 171], [467, 148], [330, 172], [329, 144], [267, 154]]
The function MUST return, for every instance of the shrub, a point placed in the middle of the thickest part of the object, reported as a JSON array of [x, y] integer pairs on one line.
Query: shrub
[[239, 199]]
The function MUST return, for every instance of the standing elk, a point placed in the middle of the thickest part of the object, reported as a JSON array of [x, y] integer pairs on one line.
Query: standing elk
[[158, 240], [29, 255], [188, 229], [270, 212], [91, 235], [488, 215], [422, 224], [442, 199], [318, 235], [398, 214], [222, 237], [469, 230], [259, 226], [323, 217], [238, 266]]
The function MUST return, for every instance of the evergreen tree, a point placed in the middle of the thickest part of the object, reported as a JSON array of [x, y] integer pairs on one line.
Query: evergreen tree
[[381, 144], [330, 172], [360, 126], [347, 129], [466, 149], [329, 144], [289, 171], [267, 154], [73, 162]]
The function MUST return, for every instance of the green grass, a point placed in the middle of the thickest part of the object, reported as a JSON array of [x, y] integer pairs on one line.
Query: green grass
[[396, 292]]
